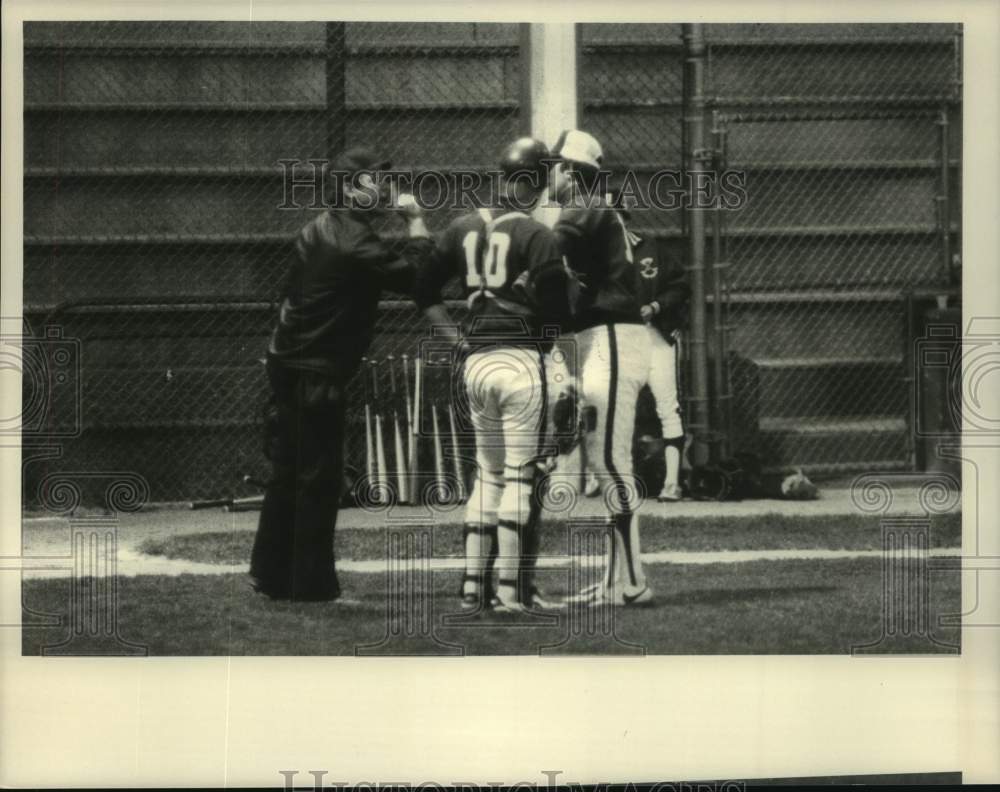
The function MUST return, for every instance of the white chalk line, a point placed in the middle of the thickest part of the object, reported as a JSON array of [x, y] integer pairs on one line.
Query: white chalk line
[[133, 564]]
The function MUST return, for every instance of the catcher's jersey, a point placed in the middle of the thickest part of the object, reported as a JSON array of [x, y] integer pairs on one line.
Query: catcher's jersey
[[505, 261], [595, 242]]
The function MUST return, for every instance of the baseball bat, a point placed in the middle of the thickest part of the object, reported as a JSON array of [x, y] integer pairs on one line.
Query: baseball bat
[[438, 455], [369, 436], [408, 398], [457, 458], [415, 429], [210, 504], [253, 503], [381, 477], [397, 434], [214, 503]]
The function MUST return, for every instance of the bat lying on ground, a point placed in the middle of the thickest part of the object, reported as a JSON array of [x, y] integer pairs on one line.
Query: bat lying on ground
[[254, 502], [233, 503]]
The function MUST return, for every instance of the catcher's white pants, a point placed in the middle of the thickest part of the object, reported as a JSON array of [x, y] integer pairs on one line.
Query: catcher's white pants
[[507, 398], [615, 365], [662, 380]]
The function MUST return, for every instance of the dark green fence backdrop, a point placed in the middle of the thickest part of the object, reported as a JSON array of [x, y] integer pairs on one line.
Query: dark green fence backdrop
[[153, 238]]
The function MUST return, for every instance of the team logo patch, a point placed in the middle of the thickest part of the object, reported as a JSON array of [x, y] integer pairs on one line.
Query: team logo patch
[[647, 268]]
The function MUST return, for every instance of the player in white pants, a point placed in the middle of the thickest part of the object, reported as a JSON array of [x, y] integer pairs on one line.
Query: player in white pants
[[614, 367], [516, 286], [507, 396], [664, 293], [662, 380], [613, 347]]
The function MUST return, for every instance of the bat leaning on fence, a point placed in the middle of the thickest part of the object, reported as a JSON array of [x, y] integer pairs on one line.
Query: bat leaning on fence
[[408, 432], [415, 430], [381, 473], [456, 454], [369, 429], [399, 458], [441, 487]]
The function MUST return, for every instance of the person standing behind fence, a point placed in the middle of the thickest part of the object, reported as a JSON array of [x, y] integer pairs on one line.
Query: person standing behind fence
[[326, 322], [664, 294]]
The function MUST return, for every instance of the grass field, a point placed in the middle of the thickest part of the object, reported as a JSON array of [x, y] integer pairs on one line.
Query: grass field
[[781, 605]]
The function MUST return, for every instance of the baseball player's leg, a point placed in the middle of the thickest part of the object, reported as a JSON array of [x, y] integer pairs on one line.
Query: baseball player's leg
[[629, 347], [480, 531], [663, 384], [553, 463], [523, 407], [595, 380], [614, 369]]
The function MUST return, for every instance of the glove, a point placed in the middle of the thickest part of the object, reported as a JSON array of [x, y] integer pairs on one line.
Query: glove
[[565, 421], [797, 486]]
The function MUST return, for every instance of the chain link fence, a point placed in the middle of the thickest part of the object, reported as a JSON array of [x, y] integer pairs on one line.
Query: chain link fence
[[155, 165], [153, 237], [847, 138]]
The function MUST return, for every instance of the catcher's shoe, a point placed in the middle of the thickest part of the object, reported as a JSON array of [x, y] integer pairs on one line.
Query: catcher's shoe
[[499, 606], [470, 601], [478, 601], [671, 494], [474, 600]]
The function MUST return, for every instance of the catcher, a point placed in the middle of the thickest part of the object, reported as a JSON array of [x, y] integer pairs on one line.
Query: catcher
[[516, 285]]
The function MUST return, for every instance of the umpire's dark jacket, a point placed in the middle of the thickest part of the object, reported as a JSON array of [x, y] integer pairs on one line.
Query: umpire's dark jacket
[[327, 318], [662, 285], [331, 294]]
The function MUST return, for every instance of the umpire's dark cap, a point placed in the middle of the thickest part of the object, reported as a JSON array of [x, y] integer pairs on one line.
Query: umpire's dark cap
[[360, 159]]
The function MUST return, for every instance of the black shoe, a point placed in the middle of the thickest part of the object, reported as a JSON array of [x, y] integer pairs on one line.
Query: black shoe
[[274, 593], [326, 594]]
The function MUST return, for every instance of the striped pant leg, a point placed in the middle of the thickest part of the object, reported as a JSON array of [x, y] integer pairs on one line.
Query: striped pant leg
[[615, 367]]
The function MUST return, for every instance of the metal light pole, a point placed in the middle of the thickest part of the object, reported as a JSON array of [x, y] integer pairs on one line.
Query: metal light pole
[[694, 157]]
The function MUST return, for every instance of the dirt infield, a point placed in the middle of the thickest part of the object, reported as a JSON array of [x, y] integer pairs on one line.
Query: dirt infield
[[46, 538]]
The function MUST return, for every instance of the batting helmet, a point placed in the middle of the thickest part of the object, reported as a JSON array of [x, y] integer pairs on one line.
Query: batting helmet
[[526, 156]]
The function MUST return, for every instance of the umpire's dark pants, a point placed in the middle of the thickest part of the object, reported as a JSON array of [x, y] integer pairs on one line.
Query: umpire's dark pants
[[304, 434]]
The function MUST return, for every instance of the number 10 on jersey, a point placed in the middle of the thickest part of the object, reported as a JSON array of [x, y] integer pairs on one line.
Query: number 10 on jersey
[[494, 265]]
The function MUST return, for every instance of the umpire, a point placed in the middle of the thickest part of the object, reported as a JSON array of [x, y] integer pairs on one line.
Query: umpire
[[326, 322]]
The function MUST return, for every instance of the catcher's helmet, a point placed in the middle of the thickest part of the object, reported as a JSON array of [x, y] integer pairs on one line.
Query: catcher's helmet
[[526, 156]]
